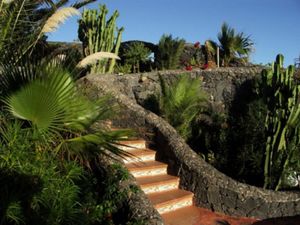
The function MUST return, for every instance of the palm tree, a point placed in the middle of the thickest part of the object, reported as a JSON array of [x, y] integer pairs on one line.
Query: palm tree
[[233, 46], [169, 52], [182, 103], [135, 54]]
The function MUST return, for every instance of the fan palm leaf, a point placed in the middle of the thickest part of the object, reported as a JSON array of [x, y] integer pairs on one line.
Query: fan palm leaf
[[52, 102], [42, 102], [55, 109]]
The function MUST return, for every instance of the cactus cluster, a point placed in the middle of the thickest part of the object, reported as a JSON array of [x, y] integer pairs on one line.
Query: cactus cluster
[[281, 94], [98, 34]]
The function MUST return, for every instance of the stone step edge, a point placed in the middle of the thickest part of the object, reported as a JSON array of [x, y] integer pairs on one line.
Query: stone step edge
[[132, 145], [160, 186], [174, 204], [140, 155], [161, 182]]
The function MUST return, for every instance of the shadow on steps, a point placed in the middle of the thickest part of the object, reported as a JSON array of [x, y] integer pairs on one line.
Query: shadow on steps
[[294, 220]]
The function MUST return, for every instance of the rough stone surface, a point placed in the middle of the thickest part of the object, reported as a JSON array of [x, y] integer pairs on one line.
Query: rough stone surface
[[212, 189], [220, 83]]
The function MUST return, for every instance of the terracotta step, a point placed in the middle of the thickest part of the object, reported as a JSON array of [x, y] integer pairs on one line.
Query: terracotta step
[[171, 200], [158, 183], [132, 145], [138, 155], [187, 215], [151, 168], [193, 215]]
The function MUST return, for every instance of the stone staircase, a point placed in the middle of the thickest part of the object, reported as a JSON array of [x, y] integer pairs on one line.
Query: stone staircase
[[174, 204], [162, 189]]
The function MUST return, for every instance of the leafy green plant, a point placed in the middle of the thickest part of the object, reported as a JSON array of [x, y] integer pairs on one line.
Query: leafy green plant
[[169, 52], [48, 142], [98, 35], [233, 46], [209, 133], [44, 189], [122, 69], [241, 155], [182, 103], [135, 54]]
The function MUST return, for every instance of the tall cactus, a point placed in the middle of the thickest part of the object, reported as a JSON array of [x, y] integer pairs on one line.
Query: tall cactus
[[98, 34], [281, 94]]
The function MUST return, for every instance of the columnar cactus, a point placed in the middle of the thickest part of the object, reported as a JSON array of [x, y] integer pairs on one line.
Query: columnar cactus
[[97, 35], [281, 93]]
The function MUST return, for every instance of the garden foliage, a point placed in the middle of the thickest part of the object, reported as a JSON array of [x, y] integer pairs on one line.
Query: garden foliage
[[280, 92], [99, 35], [136, 54], [49, 144], [169, 52], [182, 103], [233, 46]]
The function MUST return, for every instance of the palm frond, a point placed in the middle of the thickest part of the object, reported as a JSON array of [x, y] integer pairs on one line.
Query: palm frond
[[42, 102], [58, 18], [233, 45], [169, 51], [83, 148], [94, 58], [182, 102], [82, 3], [211, 46]]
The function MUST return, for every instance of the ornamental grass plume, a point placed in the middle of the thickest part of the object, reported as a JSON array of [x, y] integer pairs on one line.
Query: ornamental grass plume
[[7, 1], [94, 58], [58, 18]]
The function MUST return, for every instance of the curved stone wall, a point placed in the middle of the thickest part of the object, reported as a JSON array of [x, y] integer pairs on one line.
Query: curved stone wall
[[212, 189], [219, 83]]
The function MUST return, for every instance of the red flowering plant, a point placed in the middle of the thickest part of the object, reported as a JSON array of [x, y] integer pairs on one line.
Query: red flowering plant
[[205, 66], [197, 44], [188, 68], [195, 57]]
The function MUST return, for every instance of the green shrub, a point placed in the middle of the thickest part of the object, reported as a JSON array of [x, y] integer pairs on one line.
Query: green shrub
[[182, 103], [209, 133], [37, 187], [169, 52], [122, 69], [135, 54], [243, 155]]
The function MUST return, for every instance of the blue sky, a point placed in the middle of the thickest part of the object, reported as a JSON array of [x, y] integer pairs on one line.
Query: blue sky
[[273, 24]]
